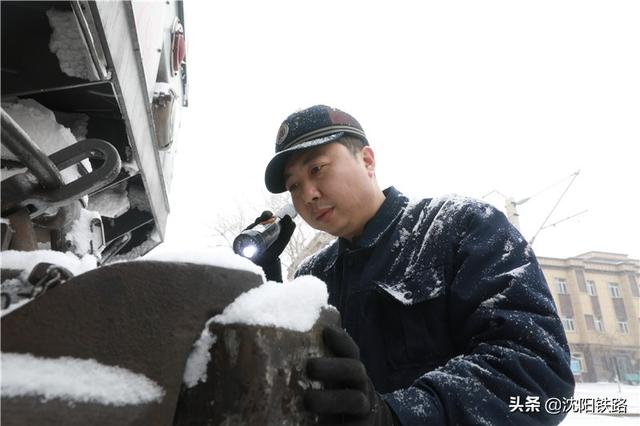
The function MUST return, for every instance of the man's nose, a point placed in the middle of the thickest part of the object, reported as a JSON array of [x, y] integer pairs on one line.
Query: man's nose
[[310, 193]]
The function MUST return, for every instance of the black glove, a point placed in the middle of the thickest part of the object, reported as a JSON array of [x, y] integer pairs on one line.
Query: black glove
[[269, 260], [348, 396]]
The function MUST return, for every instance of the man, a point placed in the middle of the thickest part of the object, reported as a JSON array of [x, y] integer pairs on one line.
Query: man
[[443, 300]]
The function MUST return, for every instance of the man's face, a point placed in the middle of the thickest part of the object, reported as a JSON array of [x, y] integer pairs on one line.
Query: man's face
[[332, 189]]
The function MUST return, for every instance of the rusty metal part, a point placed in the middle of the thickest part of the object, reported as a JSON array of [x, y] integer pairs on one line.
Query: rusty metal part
[[256, 376], [63, 217], [142, 316], [20, 144], [21, 190], [59, 224], [24, 237]]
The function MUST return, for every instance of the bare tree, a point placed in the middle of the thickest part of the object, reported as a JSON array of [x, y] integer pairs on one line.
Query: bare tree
[[306, 248], [304, 242]]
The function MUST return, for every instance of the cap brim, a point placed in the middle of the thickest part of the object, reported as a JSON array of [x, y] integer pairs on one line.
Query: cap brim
[[274, 174]]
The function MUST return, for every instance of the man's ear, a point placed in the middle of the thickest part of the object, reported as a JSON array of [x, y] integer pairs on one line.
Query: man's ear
[[369, 159]]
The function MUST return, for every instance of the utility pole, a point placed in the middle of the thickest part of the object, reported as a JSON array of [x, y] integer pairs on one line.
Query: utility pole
[[511, 205]]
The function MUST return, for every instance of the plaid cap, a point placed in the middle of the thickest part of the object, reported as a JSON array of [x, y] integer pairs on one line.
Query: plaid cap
[[311, 127]]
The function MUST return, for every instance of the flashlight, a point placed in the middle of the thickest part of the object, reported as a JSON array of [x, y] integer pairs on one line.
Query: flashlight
[[258, 239]]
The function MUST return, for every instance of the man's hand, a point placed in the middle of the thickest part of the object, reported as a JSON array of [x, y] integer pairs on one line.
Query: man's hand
[[269, 260], [348, 396]]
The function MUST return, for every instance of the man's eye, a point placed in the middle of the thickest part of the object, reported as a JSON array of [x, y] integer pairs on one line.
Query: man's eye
[[316, 169]]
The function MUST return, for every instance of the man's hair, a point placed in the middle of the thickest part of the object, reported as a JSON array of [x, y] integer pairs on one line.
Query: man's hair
[[353, 144]]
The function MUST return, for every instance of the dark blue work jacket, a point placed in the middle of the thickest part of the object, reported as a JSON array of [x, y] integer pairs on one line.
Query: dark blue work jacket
[[452, 314]]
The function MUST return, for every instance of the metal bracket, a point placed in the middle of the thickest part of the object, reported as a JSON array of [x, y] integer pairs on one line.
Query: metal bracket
[[23, 190]]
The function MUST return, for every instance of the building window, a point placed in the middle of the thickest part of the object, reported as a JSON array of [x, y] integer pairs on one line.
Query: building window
[[561, 285], [623, 327], [614, 290], [577, 363], [568, 324], [599, 325], [591, 325], [591, 288]]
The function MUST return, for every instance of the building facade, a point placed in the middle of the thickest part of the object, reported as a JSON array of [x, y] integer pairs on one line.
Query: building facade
[[598, 300]]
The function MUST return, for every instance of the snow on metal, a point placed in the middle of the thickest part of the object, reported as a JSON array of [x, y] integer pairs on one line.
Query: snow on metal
[[67, 44], [223, 257], [295, 305], [196, 368], [75, 380], [40, 124], [26, 260]]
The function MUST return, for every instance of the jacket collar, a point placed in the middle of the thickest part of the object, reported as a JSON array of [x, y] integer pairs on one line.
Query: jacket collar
[[392, 206]]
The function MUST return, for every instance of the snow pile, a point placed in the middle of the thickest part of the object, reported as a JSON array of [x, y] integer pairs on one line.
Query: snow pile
[[111, 203], [196, 368], [41, 125], [152, 241], [81, 235], [602, 391], [67, 44], [295, 305], [75, 380], [138, 198], [161, 88], [223, 257], [26, 260], [80, 127]]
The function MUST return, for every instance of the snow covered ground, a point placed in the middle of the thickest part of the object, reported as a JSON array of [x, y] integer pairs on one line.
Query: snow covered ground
[[606, 390]]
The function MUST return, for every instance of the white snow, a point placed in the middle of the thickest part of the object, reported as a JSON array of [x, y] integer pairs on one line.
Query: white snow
[[80, 127], [15, 306], [7, 173], [516, 272], [161, 88], [223, 257], [130, 167], [138, 198], [67, 44], [404, 236], [26, 260], [196, 368], [605, 390], [294, 305], [110, 203], [507, 249], [75, 380], [135, 253], [489, 303], [81, 237], [40, 124], [399, 292]]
